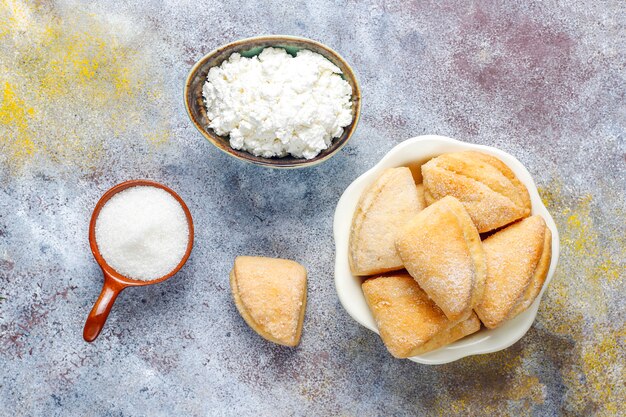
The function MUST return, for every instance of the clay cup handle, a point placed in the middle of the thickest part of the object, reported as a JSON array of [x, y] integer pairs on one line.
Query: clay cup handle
[[102, 308]]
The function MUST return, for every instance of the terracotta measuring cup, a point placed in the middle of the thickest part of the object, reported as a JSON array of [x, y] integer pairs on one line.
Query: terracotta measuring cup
[[114, 282]]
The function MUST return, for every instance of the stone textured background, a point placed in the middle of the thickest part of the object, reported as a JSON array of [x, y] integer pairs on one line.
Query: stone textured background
[[91, 95]]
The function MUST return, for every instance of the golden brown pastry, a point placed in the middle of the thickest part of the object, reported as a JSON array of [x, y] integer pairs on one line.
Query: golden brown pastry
[[382, 211], [489, 190], [518, 259], [270, 295], [420, 196], [441, 249], [539, 277], [408, 321], [456, 332]]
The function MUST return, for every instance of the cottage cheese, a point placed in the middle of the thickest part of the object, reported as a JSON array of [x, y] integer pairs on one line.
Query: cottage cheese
[[275, 104]]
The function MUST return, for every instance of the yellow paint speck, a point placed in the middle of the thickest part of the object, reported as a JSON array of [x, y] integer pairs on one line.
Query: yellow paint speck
[[68, 76], [576, 306], [14, 118]]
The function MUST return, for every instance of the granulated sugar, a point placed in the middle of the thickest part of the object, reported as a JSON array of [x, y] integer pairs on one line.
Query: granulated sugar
[[142, 232]]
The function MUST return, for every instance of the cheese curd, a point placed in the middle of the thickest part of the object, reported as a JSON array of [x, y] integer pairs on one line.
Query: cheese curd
[[275, 104]]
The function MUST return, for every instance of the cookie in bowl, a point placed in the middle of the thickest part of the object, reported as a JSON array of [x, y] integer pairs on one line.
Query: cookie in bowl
[[518, 258], [489, 190], [441, 249], [383, 209], [410, 323]]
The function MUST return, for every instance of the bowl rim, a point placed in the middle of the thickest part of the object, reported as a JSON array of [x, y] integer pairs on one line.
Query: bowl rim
[[269, 162], [482, 342]]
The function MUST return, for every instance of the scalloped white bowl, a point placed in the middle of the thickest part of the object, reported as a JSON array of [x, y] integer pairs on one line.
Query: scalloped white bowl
[[415, 152]]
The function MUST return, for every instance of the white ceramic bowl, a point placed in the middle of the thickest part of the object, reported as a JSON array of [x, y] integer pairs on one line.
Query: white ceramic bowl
[[415, 152]]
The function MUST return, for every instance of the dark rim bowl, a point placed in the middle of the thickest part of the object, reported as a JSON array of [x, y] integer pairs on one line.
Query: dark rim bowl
[[194, 103]]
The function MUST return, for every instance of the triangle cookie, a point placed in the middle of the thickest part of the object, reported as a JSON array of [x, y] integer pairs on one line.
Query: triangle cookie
[[382, 211], [489, 190], [441, 249], [270, 295], [408, 321], [518, 259]]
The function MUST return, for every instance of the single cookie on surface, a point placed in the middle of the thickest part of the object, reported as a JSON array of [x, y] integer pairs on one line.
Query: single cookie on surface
[[382, 211], [518, 259], [408, 321], [491, 193], [441, 248], [270, 295]]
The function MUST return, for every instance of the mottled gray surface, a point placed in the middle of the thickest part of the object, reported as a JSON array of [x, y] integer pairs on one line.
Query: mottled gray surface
[[92, 96]]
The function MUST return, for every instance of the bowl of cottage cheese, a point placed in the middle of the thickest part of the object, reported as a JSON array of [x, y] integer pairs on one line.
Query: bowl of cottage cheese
[[276, 101]]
